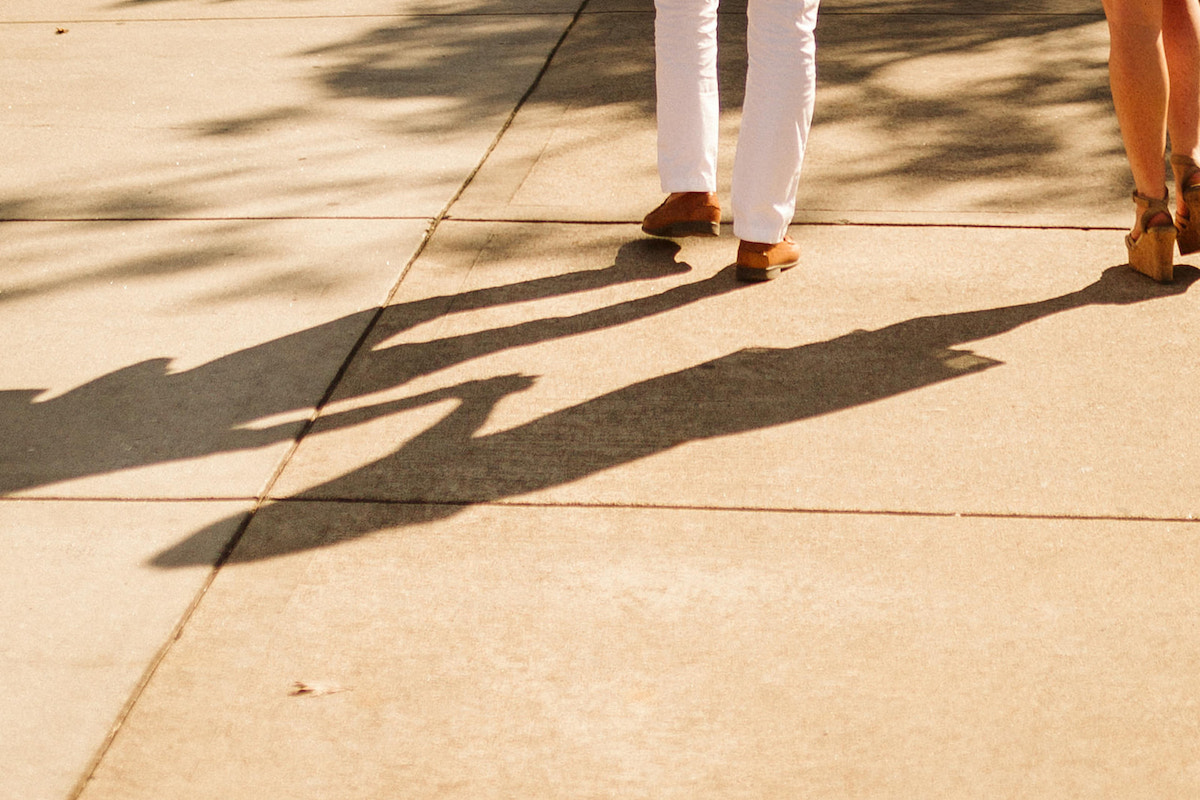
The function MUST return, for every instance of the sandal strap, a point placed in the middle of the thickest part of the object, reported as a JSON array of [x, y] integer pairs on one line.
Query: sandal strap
[[1153, 205]]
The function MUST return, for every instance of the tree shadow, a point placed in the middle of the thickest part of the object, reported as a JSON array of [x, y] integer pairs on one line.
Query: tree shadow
[[997, 128], [466, 64], [972, 97], [450, 467]]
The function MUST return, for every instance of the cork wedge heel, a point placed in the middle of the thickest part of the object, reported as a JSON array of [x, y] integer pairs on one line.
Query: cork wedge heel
[[1153, 252]]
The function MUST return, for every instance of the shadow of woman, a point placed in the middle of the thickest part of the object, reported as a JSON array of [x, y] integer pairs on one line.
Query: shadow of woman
[[449, 467]]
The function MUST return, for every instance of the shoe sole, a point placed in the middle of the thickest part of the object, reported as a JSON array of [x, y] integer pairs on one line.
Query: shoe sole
[[758, 275], [680, 230]]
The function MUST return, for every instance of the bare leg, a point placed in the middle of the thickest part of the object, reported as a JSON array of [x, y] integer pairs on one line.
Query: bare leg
[[1137, 68], [1181, 46]]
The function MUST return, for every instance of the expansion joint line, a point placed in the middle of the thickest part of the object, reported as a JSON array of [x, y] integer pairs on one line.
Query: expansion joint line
[[265, 494], [434, 224], [424, 243]]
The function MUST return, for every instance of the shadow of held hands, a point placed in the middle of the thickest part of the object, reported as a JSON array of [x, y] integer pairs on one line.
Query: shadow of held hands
[[448, 466]]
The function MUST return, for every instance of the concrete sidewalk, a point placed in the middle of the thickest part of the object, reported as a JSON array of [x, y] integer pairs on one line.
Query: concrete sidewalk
[[354, 443]]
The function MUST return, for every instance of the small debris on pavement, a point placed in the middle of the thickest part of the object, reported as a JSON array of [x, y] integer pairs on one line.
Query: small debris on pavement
[[315, 688]]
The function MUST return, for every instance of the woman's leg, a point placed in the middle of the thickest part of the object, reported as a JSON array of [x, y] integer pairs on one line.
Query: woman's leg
[[1181, 45], [1137, 70], [685, 54], [781, 83]]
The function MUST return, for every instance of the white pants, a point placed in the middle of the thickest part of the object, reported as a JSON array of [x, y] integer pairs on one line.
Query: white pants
[[781, 81]]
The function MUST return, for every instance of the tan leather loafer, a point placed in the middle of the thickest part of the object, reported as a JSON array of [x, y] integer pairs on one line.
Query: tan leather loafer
[[685, 214], [757, 261]]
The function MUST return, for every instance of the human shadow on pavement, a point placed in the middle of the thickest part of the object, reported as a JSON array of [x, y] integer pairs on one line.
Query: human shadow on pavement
[[450, 467], [145, 414]]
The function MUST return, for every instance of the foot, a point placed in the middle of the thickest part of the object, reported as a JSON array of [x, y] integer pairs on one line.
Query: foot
[[1156, 221], [760, 261], [1151, 243], [685, 214], [1144, 220]]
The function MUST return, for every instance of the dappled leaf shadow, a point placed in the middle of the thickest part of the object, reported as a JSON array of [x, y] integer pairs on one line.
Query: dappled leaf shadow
[[984, 127], [467, 64], [970, 97]]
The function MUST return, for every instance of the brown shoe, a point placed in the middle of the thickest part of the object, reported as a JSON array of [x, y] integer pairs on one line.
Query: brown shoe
[[762, 262], [685, 214]]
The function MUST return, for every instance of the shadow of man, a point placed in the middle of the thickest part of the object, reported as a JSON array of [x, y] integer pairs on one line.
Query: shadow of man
[[449, 466], [146, 414]]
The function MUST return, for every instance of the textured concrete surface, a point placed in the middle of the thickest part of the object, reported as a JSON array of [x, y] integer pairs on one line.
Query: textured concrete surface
[[260, 117], [335, 359], [85, 617], [565, 652], [34, 12]]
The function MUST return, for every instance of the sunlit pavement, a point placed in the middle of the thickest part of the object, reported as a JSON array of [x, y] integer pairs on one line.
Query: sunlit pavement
[[355, 443]]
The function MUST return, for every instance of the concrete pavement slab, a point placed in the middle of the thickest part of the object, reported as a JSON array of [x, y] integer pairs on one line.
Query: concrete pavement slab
[[973, 118], [942, 370], [989, 117], [35, 11], [566, 652], [916, 7], [84, 617], [999, 7], [582, 147], [341, 117], [587, 517], [177, 359]]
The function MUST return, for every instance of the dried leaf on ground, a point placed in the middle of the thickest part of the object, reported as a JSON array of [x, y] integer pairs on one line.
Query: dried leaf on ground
[[315, 688]]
